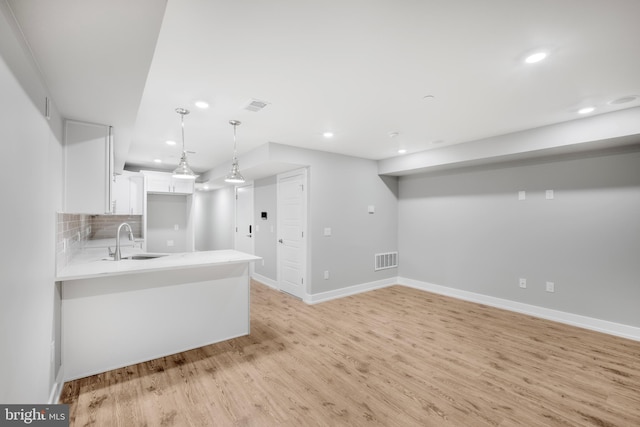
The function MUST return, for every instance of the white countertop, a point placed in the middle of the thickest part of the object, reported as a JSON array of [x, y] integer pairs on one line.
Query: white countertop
[[95, 263]]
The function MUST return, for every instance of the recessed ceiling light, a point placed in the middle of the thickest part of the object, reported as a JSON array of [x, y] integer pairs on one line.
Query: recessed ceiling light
[[402, 151], [624, 100], [535, 57], [328, 134], [170, 142], [586, 110], [157, 161], [201, 104]]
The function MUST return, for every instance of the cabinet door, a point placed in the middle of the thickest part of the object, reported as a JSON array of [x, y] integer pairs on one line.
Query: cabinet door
[[88, 164], [182, 185], [158, 182], [121, 195], [136, 194], [163, 182]]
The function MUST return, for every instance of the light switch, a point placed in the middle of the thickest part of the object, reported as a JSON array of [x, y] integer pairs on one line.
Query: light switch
[[371, 209], [176, 227], [549, 194], [522, 195], [327, 231]]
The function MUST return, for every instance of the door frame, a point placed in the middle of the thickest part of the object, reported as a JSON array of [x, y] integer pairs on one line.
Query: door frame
[[235, 222], [305, 221]]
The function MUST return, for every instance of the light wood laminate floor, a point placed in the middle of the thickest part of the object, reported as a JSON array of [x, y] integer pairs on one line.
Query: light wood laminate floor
[[394, 357]]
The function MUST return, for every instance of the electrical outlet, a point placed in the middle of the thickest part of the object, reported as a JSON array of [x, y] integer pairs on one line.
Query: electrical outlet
[[169, 242], [549, 194], [551, 287], [522, 195], [326, 274], [523, 283], [176, 227]]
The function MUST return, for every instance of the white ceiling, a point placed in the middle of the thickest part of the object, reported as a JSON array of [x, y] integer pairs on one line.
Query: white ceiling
[[361, 69]]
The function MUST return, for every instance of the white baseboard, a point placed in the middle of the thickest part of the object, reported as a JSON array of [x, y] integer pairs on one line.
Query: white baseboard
[[56, 389], [351, 290], [604, 326], [585, 322], [265, 280]]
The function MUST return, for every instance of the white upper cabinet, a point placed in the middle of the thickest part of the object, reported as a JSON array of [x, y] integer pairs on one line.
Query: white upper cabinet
[[165, 183], [182, 185], [128, 194], [88, 166]]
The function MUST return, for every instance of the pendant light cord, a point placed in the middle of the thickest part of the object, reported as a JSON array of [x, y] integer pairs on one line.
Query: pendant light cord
[[182, 123], [235, 151]]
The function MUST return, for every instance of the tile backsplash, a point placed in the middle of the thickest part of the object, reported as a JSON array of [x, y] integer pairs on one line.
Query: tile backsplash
[[74, 230], [105, 226]]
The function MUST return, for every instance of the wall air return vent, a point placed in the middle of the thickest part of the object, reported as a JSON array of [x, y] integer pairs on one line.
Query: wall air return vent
[[386, 260], [255, 105]]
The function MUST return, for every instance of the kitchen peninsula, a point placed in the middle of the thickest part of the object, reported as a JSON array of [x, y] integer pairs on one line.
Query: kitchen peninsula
[[118, 313]]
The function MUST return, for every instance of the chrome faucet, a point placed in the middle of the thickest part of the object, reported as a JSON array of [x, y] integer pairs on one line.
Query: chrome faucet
[[116, 254]]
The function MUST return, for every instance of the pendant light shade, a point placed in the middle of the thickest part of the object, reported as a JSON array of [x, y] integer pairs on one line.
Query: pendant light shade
[[183, 171], [234, 177]]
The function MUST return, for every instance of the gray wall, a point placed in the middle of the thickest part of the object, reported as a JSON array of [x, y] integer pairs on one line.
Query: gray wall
[[214, 219], [203, 208], [163, 213], [29, 305], [468, 230], [265, 231], [340, 190]]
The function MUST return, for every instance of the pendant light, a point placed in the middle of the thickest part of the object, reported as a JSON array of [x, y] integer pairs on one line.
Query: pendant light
[[234, 177], [183, 170]]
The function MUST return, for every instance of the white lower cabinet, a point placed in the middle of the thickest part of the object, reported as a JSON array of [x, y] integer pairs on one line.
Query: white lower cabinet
[[119, 320]]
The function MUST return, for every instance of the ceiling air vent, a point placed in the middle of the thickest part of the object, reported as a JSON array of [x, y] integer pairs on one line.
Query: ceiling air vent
[[255, 105]]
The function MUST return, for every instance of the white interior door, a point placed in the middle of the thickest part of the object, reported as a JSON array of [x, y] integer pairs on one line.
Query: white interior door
[[244, 219], [292, 232]]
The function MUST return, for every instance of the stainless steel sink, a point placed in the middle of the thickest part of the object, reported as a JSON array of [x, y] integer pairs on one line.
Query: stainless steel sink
[[144, 256]]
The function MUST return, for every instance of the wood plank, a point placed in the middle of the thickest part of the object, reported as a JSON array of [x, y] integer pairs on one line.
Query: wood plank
[[394, 356]]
